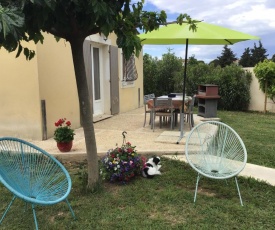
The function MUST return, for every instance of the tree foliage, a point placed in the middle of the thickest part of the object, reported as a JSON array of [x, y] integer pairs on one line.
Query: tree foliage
[[233, 81], [227, 57], [234, 87], [169, 67], [246, 59], [150, 74], [160, 74], [265, 72], [12, 28], [258, 54], [214, 62], [25, 20], [252, 56], [78, 18]]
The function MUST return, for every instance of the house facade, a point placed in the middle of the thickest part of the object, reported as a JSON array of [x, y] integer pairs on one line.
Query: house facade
[[35, 94]]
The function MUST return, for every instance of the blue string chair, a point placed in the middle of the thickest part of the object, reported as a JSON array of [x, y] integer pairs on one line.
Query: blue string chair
[[32, 175], [216, 151]]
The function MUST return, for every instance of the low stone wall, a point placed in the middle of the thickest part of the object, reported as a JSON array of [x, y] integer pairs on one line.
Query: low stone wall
[[257, 96]]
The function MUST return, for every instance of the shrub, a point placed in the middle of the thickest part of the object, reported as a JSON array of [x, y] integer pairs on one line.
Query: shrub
[[233, 82], [234, 88], [165, 76]]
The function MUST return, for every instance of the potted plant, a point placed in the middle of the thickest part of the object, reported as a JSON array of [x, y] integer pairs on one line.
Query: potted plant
[[121, 164], [64, 135]]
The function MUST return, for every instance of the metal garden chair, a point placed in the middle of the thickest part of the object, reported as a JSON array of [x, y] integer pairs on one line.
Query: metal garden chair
[[189, 112], [163, 108], [146, 98], [32, 175], [216, 151]]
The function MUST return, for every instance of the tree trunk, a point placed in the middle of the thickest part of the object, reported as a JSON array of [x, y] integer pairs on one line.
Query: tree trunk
[[265, 96], [85, 111]]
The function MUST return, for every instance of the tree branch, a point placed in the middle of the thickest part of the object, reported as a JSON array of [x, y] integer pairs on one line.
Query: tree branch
[[57, 33]]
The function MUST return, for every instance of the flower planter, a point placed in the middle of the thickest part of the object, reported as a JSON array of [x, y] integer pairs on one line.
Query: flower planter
[[64, 146], [64, 135], [121, 164]]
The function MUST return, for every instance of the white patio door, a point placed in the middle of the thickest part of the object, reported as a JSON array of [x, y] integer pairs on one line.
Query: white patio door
[[97, 81]]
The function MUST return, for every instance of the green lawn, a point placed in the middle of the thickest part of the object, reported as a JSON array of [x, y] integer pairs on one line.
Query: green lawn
[[257, 131], [166, 201]]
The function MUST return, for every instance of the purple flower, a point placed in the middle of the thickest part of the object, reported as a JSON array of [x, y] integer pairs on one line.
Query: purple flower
[[121, 164]]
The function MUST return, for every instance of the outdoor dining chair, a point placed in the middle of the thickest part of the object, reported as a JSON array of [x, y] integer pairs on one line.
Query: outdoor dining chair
[[214, 150], [146, 98], [162, 108], [189, 112]]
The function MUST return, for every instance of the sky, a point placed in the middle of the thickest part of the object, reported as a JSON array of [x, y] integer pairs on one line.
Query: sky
[[255, 17]]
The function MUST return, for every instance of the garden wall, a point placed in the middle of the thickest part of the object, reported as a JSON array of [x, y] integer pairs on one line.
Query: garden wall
[[257, 96]]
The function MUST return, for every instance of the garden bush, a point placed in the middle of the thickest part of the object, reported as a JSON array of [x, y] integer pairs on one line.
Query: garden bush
[[233, 83], [166, 76]]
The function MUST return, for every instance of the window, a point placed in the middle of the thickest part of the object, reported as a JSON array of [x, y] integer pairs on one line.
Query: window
[[129, 70], [97, 94]]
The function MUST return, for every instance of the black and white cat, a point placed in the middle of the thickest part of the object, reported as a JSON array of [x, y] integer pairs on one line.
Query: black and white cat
[[151, 167]]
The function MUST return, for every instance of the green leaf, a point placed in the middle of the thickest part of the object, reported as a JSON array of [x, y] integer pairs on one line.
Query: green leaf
[[19, 50], [11, 21], [26, 52]]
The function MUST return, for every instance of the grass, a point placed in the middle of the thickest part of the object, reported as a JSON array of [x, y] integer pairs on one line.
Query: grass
[[166, 201], [257, 132]]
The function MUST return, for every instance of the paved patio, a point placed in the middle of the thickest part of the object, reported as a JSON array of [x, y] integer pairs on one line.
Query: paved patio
[[160, 142], [109, 134]]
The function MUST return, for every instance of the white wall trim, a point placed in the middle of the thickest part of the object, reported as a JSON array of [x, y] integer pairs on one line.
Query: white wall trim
[[99, 39]]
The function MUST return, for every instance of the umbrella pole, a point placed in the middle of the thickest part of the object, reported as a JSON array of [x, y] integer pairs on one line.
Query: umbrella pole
[[183, 94]]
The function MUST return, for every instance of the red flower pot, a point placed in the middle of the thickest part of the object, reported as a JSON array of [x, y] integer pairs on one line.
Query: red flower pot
[[64, 146]]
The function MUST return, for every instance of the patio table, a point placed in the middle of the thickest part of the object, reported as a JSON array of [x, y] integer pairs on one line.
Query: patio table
[[177, 104], [176, 101]]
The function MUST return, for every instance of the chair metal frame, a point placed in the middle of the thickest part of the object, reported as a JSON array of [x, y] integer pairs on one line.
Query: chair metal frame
[[214, 150], [162, 107], [33, 175], [189, 113], [146, 98]]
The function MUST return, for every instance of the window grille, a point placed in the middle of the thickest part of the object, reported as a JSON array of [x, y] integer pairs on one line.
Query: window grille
[[129, 69]]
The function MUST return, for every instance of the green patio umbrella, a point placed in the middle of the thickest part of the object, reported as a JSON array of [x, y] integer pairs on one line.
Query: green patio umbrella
[[206, 34]]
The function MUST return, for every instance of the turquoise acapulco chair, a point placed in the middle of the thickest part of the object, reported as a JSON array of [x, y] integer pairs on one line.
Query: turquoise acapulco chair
[[32, 175], [216, 151]]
